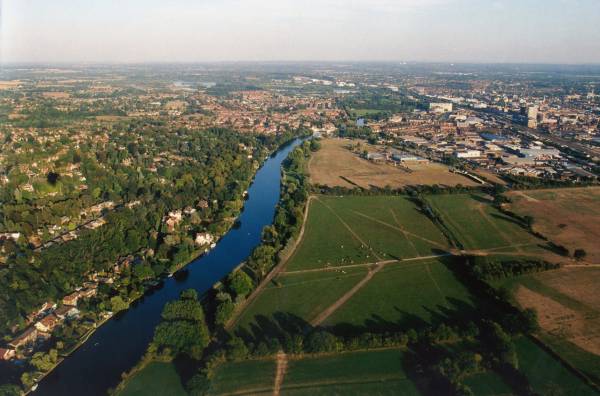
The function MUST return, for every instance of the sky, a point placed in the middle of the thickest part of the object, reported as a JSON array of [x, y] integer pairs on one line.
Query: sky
[[132, 31]]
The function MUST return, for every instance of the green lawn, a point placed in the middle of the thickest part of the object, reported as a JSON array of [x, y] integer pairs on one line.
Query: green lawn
[[157, 378], [477, 224], [354, 373], [545, 373], [246, 377], [407, 294]]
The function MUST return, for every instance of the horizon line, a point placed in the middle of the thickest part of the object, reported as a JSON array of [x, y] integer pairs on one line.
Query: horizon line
[[239, 61]]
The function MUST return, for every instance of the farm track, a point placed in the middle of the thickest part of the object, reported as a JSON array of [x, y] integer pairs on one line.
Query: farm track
[[342, 300], [494, 226], [280, 371], [437, 287], [404, 232]]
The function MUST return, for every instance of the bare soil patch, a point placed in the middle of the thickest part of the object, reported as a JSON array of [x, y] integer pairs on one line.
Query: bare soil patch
[[568, 216], [580, 284], [336, 165], [56, 95], [491, 176], [9, 84], [582, 329]]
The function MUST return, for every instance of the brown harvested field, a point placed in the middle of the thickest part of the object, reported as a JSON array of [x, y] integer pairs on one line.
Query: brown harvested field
[[489, 175], [568, 304], [561, 321], [56, 95], [335, 165], [110, 118], [9, 84], [567, 216]]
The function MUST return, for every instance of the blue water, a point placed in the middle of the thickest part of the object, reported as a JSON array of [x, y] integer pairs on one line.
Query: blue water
[[119, 344]]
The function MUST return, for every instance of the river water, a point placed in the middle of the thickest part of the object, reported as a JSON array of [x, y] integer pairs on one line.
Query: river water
[[120, 343]]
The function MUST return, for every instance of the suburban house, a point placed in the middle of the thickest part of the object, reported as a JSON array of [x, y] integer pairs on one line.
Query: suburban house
[[27, 337], [89, 292], [66, 311], [48, 323], [203, 238], [44, 308], [7, 354], [71, 299]]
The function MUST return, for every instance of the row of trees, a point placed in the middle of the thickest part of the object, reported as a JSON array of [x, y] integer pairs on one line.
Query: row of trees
[[488, 268]]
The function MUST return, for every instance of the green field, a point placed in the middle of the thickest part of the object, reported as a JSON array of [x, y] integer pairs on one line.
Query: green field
[[355, 373], [326, 242], [246, 377], [406, 295], [365, 112], [157, 378], [478, 225], [353, 230], [378, 372], [546, 374], [303, 295], [344, 237]]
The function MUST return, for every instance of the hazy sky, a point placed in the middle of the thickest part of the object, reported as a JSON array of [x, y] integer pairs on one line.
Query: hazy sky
[[547, 31]]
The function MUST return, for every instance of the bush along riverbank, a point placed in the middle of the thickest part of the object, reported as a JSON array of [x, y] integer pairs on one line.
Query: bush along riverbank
[[176, 337]]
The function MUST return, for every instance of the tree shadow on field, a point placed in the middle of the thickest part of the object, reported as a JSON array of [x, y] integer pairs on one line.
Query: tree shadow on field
[[185, 367], [417, 364], [377, 324], [507, 219], [479, 198], [277, 326]]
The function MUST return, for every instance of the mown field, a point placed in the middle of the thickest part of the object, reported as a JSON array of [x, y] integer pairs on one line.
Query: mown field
[[567, 303], [568, 216], [343, 231], [251, 377], [355, 373], [479, 226], [377, 372], [157, 378], [405, 295], [335, 165], [344, 238]]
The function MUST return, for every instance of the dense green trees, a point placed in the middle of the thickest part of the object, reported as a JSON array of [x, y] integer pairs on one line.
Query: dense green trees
[[183, 328], [44, 361], [240, 283], [485, 268]]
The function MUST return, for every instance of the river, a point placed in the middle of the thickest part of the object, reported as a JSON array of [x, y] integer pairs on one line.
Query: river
[[120, 343]]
